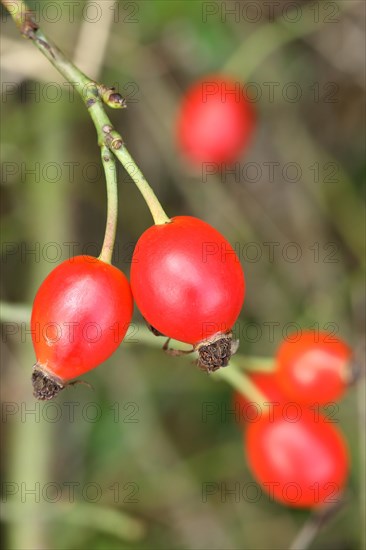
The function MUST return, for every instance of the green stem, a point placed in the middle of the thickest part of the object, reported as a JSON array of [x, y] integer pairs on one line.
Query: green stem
[[93, 95], [105, 519], [255, 364], [236, 374], [157, 212], [233, 374], [109, 164], [14, 313], [242, 383]]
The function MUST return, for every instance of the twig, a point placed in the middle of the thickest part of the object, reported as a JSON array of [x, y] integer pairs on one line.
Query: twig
[[314, 524], [235, 374], [92, 516], [94, 95], [109, 165]]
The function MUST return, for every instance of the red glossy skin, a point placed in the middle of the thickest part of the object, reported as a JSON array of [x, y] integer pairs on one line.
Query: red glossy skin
[[96, 297], [213, 124], [314, 369], [301, 464], [268, 385], [187, 280]]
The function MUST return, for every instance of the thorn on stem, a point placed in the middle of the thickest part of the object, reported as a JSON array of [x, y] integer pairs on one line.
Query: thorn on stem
[[116, 101], [116, 143], [111, 98], [113, 140]]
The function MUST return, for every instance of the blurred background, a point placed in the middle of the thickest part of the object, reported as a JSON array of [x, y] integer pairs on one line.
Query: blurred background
[[126, 466]]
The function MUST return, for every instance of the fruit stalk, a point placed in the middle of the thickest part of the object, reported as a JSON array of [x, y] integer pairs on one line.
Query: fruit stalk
[[238, 379], [110, 170], [235, 376], [243, 384], [93, 95]]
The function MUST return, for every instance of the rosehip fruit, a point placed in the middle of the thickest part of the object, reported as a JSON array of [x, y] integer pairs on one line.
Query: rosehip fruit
[[302, 463], [314, 368], [80, 316], [188, 283], [215, 121]]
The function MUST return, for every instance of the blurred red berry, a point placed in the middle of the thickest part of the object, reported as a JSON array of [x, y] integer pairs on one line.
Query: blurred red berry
[[215, 121], [314, 368], [302, 463]]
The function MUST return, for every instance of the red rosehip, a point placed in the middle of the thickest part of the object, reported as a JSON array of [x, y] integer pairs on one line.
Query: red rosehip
[[215, 121], [189, 285], [268, 385], [301, 464], [313, 368], [80, 316]]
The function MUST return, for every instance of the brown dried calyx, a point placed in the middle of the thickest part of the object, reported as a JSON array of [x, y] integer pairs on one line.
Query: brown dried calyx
[[216, 352], [45, 385], [213, 353]]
